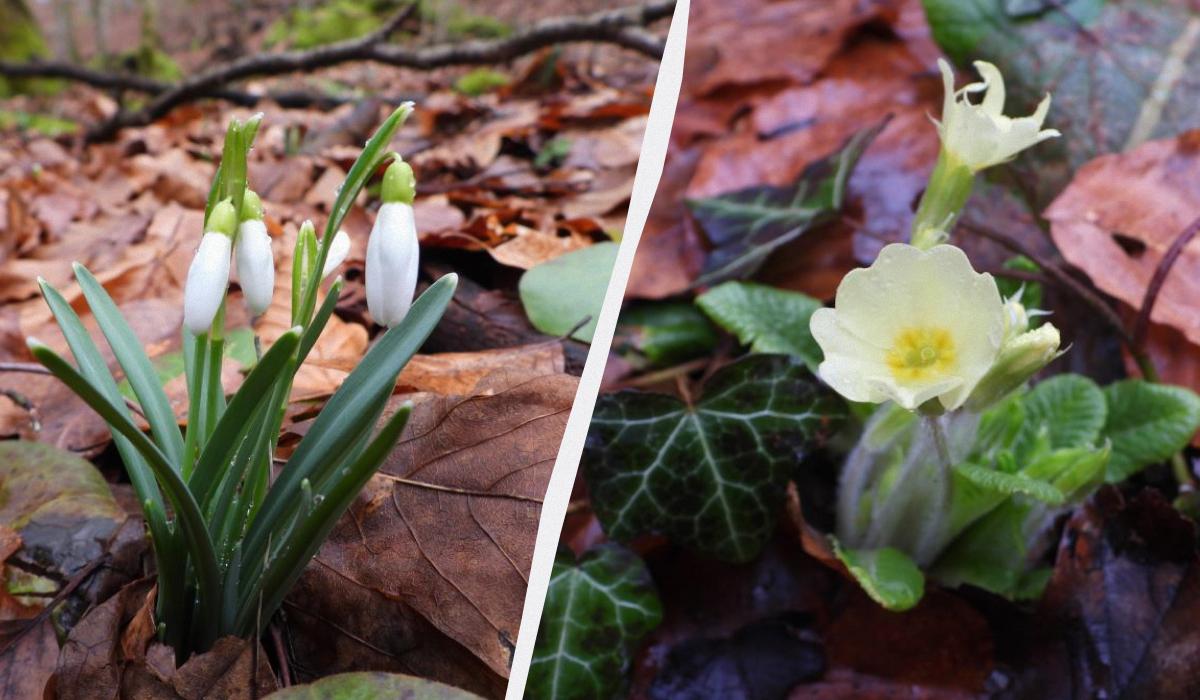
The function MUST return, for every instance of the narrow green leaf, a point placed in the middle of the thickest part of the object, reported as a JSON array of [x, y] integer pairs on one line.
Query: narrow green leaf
[[138, 369], [313, 331], [187, 512], [888, 575], [93, 367], [303, 542], [236, 423], [345, 411]]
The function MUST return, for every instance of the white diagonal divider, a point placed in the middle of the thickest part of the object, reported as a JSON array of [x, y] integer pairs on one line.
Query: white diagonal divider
[[558, 494]]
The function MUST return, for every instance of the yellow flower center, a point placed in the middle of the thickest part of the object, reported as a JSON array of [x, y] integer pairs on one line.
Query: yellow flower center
[[918, 353]]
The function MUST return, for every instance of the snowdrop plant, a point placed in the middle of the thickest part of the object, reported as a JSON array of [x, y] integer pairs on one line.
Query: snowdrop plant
[[228, 540]]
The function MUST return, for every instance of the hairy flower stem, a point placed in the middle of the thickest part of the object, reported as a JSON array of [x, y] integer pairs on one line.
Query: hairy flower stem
[[932, 534], [945, 196]]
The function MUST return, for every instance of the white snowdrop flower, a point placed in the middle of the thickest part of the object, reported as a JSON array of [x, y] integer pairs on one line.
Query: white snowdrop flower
[[339, 248], [392, 250], [979, 135], [914, 326], [255, 260], [208, 276]]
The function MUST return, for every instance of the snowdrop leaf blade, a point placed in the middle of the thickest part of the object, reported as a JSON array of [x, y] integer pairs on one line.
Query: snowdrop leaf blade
[[139, 371]]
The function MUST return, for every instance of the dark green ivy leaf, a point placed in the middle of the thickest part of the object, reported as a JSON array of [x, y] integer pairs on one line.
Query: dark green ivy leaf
[[746, 226], [597, 612], [709, 476]]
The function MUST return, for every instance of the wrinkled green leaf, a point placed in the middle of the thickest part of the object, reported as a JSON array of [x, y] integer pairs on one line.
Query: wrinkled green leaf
[[561, 293], [1101, 61], [767, 319], [663, 333], [366, 685], [888, 575], [709, 476], [1009, 484], [746, 226], [597, 612], [1070, 408], [1147, 423]]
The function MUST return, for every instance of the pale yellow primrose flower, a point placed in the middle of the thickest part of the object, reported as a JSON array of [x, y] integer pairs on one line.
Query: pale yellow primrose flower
[[915, 325], [980, 136]]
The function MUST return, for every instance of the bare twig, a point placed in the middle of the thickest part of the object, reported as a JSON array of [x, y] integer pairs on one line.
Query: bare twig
[[79, 577], [622, 27], [1142, 325], [1060, 275]]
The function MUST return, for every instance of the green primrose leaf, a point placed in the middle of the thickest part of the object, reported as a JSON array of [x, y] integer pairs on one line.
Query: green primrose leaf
[[888, 575], [1147, 423], [364, 685], [1069, 407], [598, 611], [746, 226], [709, 476], [1009, 484], [561, 293], [767, 319]]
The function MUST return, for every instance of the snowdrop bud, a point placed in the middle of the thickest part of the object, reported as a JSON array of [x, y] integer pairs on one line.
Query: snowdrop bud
[[1020, 358], [255, 261], [208, 275], [339, 248], [399, 183], [392, 250]]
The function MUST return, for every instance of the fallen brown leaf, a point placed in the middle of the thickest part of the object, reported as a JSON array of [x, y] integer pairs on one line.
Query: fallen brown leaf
[[434, 555]]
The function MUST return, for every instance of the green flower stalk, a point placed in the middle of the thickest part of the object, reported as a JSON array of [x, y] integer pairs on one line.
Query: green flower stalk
[[228, 542]]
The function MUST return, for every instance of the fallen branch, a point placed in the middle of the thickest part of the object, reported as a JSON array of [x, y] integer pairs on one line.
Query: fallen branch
[[622, 27]]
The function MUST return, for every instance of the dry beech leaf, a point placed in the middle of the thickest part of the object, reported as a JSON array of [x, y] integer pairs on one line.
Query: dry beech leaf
[[426, 573], [1121, 213]]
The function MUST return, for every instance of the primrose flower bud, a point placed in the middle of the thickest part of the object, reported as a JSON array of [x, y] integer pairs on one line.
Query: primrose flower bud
[[1016, 319], [979, 135], [255, 261], [915, 326], [208, 276], [392, 250], [339, 248], [1020, 358]]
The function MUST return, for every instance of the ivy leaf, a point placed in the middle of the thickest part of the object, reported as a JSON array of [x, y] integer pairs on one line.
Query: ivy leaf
[[1069, 407], [560, 294], [598, 611], [709, 476], [888, 575], [767, 319], [1106, 63], [746, 226], [1147, 423]]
